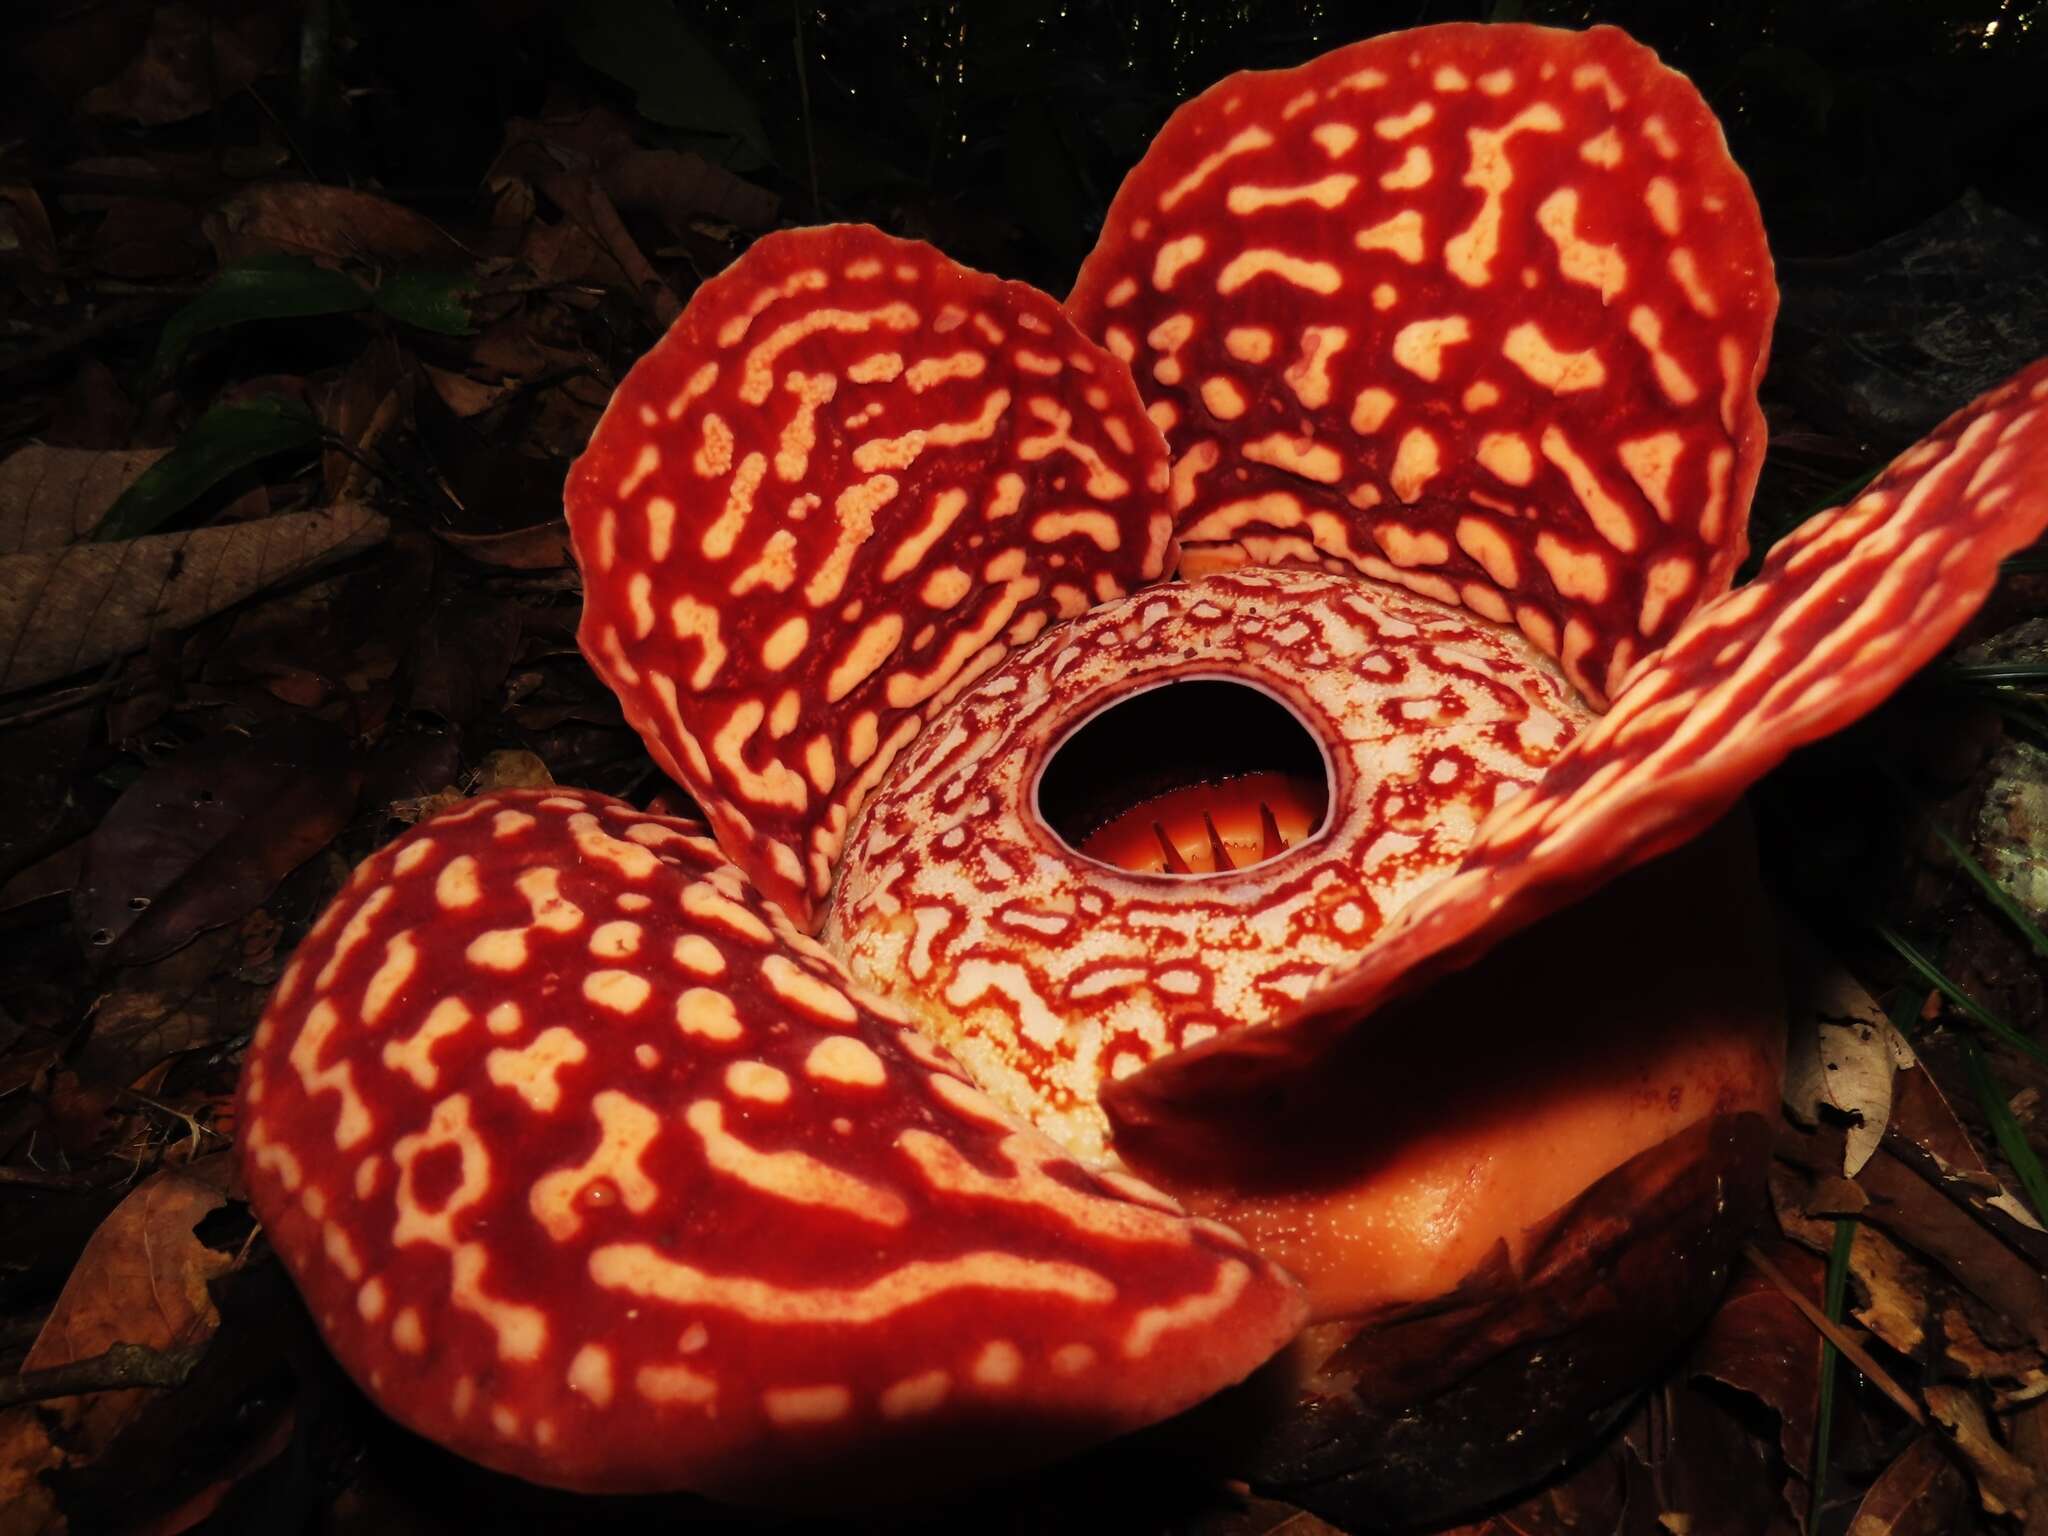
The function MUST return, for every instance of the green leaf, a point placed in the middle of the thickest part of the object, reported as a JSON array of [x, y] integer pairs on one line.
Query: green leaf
[[1837, 1293], [675, 79], [2012, 1140], [1932, 974], [268, 288], [1995, 893], [225, 439], [429, 301]]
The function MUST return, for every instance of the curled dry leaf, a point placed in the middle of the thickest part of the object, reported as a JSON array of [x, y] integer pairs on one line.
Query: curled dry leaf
[[202, 839], [193, 60], [1761, 1344], [1919, 1494], [2004, 1482], [50, 497], [1896, 1285], [140, 1280], [1925, 1126], [1843, 1050], [64, 610], [341, 223]]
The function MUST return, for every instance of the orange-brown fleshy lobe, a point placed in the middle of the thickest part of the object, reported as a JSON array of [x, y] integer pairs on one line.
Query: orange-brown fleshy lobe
[[1479, 310], [1046, 971], [852, 476], [594, 1169], [1846, 608]]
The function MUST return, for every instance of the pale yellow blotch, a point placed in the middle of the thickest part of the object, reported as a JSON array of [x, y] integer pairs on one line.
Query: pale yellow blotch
[[533, 1071], [626, 1129], [1469, 254], [1414, 171], [845, 1061], [1327, 193], [930, 372], [1668, 581], [915, 1394], [1248, 343], [940, 515], [785, 642], [1507, 456], [998, 1365], [1297, 456], [1685, 271], [1480, 395], [372, 1299], [1385, 296], [1245, 142], [876, 368], [1659, 135], [1008, 496], [789, 1175], [692, 620], [401, 959], [1309, 374], [794, 1406], [1650, 462], [615, 940], [868, 650], [408, 1333], [1576, 573], [1072, 1359], [800, 989], [800, 432], [1417, 458], [782, 719], [724, 532], [776, 784], [692, 390], [1315, 276], [661, 527], [1400, 125], [714, 455], [458, 885], [1561, 373], [675, 1384], [1603, 149], [945, 587], [620, 992], [508, 824], [1648, 330], [758, 371], [1154, 1323], [1661, 198], [703, 1012], [1408, 547], [1222, 398], [758, 1081], [1120, 293], [1580, 260], [1497, 82], [1419, 345], [411, 856], [819, 766], [415, 1056], [1335, 139], [1607, 515], [1370, 410], [1401, 234], [646, 464], [1174, 257], [854, 509], [590, 1375], [1098, 528]]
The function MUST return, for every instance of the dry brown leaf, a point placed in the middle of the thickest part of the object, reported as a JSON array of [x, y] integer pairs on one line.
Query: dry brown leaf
[[1897, 1286], [1919, 1494], [1843, 1049], [68, 609], [465, 396], [140, 1280], [50, 497], [2028, 1432], [2004, 1482], [193, 60], [542, 547], [2015, 1375], [340, 223]]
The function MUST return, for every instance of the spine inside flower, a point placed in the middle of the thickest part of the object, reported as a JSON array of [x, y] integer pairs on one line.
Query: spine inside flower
[[1204, 829]]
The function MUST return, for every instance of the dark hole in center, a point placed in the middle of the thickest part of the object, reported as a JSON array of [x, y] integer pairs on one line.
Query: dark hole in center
[[1189, 777]]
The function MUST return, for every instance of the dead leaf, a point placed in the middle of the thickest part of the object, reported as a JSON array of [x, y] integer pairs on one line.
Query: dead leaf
[[543, 547], [2028, 1432], [50, 497], [141, 1279], [2013, 1374], [1925, 1122], [201, 839], [194, 59], [65, 610], [1919, 1494], [1761, 1344], [465, 396], [1896, 1284], [2004, 1482], [1843, 1049], [338, 223]]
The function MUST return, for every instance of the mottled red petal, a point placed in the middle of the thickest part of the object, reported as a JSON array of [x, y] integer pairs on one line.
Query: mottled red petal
[[1476, 309], [850, 478], [1845, 609], [594, 1169]]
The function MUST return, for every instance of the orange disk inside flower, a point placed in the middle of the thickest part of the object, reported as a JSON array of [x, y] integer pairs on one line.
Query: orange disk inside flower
[[1206, 829]]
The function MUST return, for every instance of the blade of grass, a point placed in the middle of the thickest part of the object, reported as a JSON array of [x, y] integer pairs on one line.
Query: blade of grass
[[267, 288], [1997, 673], [1994, 893], [1837, 1293], [1931, 974], [2012, 1140]]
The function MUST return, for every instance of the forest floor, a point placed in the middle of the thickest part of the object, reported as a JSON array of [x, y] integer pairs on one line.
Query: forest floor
[[282, 569]]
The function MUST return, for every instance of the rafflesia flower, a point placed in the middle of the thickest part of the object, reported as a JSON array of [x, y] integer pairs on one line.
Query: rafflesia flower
[[1219, 843]]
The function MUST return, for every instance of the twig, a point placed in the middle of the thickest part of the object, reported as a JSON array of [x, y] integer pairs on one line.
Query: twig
[[1840, 1337], [122, 1366]]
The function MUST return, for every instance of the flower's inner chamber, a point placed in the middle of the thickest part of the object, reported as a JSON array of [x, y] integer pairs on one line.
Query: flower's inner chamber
[[1197, 776]]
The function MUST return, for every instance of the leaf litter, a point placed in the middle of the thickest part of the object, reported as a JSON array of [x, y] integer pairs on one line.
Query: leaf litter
[[282, 569]]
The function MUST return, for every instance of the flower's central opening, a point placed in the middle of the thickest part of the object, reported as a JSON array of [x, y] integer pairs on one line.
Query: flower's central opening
[[1197, 776]]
